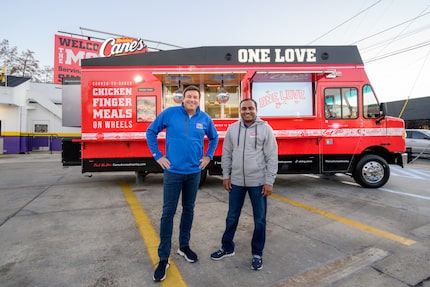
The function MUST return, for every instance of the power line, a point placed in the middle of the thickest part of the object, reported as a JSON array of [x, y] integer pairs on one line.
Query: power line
[[390, 28], [408, 49], [343, 23], [415, 82], [378, 44], [404, 29]]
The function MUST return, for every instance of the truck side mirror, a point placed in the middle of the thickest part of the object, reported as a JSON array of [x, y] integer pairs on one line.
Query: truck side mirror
[[382, 109], [382, 113]]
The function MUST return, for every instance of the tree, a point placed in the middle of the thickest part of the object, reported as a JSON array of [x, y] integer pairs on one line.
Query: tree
[[44, 75], [27, 64], [7, 54], [24, 64]]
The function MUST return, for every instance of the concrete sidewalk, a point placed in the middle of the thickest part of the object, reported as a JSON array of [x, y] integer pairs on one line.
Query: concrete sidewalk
[[60, 228]]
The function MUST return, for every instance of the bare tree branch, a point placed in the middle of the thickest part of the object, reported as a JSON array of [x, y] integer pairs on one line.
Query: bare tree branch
[[24, 64]]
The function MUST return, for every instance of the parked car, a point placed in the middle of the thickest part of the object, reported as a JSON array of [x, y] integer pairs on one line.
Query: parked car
[[418, 141]]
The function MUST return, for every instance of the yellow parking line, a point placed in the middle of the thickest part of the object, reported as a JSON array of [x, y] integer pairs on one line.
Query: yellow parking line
[[151, 238], [349, 222]]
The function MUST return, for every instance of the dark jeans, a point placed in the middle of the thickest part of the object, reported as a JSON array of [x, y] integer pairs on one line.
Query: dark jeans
[[259, 209], [173, 185]]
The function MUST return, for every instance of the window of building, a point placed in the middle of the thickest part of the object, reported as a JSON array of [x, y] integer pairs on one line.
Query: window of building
[[41, 128]]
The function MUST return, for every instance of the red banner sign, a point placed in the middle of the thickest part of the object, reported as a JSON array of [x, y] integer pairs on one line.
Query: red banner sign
[[68, 54], [69, 51], [122, 46]]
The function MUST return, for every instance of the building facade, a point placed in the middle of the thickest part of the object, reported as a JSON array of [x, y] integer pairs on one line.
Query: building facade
[[31, 117], [415, 112]]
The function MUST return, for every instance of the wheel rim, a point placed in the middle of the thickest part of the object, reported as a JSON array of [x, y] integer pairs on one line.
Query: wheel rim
[[373, 171]]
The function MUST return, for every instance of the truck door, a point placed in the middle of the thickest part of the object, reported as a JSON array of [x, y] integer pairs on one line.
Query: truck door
[[340, 127]]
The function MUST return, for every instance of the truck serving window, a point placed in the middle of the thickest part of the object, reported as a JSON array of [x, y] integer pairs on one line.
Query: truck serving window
[[220, 93], [341, 103], [283, 94], [218, 103], [222, 102]]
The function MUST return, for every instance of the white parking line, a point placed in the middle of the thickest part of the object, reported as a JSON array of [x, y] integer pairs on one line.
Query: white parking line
[[410, 173], [382, 189], [404, 193]]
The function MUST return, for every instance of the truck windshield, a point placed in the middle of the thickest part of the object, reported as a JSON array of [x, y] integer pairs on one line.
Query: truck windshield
[[370, 103]]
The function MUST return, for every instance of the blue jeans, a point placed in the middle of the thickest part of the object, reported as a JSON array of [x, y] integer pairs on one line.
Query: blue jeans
[[259, 209], [174, 183]]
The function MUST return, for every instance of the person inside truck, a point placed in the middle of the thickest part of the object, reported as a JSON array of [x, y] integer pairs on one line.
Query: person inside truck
[[329, 114], [186, 127]]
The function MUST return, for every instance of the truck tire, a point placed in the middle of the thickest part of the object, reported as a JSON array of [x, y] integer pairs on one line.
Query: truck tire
[[372, 171]]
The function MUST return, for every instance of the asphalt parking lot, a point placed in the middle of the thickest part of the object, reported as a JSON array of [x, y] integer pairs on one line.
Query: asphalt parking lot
[[60, 228]]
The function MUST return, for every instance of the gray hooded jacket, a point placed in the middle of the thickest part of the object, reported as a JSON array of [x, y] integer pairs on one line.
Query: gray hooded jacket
[[250, 154]]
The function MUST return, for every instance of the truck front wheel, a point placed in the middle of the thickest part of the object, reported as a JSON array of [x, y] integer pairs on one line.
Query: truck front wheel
[[372, 171]]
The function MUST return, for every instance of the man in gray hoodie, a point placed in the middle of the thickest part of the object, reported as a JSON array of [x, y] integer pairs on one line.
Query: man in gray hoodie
[[250, 164]]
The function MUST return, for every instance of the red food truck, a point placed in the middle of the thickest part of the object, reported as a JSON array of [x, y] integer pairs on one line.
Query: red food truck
[[318, 100]]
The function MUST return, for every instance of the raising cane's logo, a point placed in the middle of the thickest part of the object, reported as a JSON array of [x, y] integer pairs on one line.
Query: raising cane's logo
[[122, 46]]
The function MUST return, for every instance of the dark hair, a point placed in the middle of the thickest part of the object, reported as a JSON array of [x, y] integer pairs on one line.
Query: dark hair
[[248, 99], [191, 88]]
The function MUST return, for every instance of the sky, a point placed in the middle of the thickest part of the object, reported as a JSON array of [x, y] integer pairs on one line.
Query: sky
[[393, 36]]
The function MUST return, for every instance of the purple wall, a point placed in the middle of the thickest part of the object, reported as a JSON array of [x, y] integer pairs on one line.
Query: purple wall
[[24, 144]]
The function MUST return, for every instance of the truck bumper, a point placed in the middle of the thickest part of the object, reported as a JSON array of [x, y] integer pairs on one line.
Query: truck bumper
[[402, 159]]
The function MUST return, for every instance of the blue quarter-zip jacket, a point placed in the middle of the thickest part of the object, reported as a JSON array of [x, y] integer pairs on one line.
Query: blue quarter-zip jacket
[[184, 138]]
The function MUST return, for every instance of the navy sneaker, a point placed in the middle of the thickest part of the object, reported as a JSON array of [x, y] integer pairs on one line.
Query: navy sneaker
[[188, 254], [257, 262], [220, 254], [160, 272]]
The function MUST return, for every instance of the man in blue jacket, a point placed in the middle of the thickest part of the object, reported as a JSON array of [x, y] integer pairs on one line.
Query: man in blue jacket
[[186, 127]]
